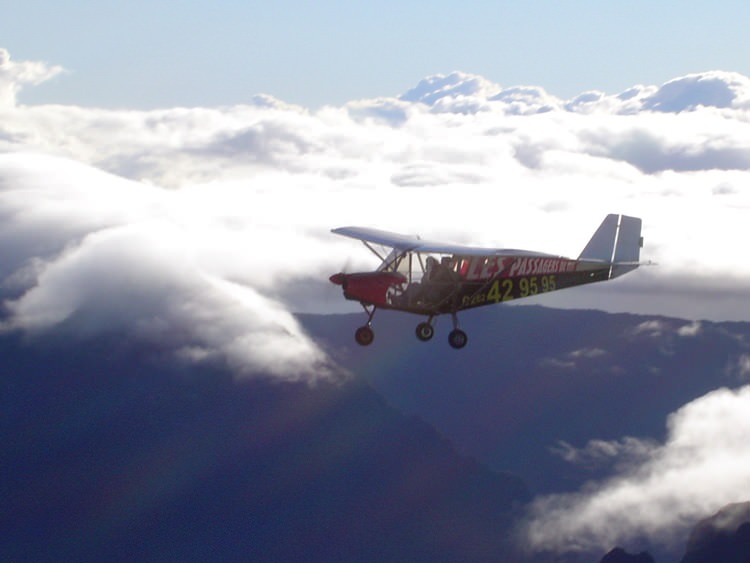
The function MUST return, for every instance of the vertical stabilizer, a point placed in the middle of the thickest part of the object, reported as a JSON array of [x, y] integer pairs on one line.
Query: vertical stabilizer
[[617, 242]]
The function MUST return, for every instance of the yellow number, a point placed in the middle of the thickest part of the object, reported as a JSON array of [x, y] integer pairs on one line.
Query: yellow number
[[523, 284], [533, 287], [500, 292], [552, 284], [545, 284], [508, 287], [494, 293]]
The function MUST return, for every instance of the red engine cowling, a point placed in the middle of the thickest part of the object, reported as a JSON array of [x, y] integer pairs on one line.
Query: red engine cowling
[[370, 287]]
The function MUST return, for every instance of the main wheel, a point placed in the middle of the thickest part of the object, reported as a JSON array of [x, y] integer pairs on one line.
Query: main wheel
[[364, 336], [457, 338], [425, 331]]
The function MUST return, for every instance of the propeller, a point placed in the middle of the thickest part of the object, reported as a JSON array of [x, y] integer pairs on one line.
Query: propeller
[[340, 278]]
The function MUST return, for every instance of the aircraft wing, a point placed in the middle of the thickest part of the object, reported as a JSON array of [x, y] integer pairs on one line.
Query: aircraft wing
[[376, 236], [412, 243]]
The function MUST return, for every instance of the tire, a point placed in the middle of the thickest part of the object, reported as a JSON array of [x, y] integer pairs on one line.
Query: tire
[[425, 331], [457, 338], [364, 336]]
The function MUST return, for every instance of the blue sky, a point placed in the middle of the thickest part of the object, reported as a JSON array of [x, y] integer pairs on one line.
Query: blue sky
[[149, 54]]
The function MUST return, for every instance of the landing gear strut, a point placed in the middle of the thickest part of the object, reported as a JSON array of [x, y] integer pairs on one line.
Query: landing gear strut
[[364, 335]]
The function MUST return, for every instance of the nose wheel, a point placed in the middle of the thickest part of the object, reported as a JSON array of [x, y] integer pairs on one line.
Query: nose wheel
[[364, 335]]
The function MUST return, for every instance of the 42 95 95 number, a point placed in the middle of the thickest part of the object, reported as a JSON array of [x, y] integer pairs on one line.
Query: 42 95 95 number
[[510, 288]]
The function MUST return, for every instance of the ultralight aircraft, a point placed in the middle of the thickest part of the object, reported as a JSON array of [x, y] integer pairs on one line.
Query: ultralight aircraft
[[430, 278]]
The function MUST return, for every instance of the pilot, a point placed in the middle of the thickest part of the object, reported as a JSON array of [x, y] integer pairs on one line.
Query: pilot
[[430, 269]]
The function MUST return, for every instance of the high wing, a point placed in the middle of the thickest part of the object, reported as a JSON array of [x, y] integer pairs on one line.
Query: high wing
[[412, 243]]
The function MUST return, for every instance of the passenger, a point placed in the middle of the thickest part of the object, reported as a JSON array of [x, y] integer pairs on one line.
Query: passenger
[[440, 280], [445, 272]]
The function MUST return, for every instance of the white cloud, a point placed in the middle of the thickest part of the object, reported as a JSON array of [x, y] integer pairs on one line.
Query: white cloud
[[439, 87], [738, 368], [111, 254], [654, 328], [709, 89], [661, 491], [690, 330], [625, 452], [13, 76], [588, 353]]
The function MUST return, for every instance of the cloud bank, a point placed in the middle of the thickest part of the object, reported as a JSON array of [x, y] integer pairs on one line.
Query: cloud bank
[[213, 223], [91, 253], [660, 490]]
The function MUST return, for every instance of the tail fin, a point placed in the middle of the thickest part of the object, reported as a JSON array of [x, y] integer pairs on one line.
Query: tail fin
[[616, 242]]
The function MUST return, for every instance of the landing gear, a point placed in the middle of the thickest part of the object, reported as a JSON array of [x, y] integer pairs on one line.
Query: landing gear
[[425, 331], [457, 338], [364, 335]]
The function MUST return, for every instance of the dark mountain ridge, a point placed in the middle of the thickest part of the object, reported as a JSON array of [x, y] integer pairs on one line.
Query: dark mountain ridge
[[535, 385], [724, 537], [114, 451], [111, 452], [534, 380]]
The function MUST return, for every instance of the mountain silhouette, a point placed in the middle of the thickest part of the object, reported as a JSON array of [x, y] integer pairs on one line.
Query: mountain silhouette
[[115, 452], [724, 537], [533, 379], [619, 555]]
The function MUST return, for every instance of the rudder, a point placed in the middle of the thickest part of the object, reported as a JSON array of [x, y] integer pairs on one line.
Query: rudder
[[617, 242]]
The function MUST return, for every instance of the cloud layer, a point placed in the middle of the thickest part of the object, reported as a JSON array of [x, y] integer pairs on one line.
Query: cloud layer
[[191, 215], [660, 491], [93, 253]]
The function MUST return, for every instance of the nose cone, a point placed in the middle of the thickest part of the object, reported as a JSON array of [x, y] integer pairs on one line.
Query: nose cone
[[338, 279]]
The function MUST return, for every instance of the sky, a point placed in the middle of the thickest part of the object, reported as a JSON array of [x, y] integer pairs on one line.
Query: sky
[[174, 172], [155, 54]]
